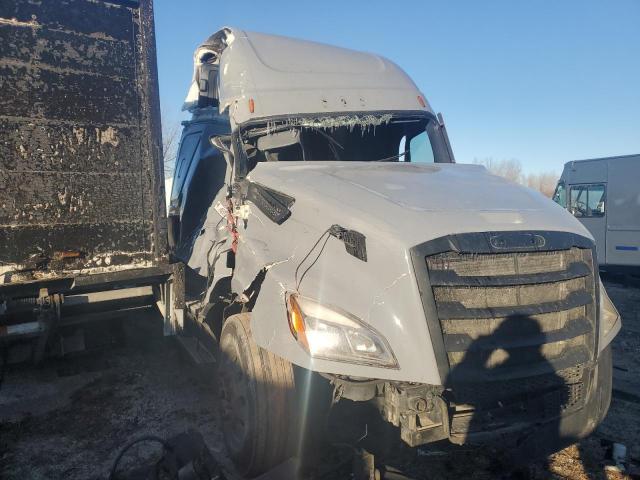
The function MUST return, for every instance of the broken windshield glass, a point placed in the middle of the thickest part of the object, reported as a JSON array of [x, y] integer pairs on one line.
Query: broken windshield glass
[[362, 138]]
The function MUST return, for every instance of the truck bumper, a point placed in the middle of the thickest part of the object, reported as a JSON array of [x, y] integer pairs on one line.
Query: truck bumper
[[425, 416], [539, 440]]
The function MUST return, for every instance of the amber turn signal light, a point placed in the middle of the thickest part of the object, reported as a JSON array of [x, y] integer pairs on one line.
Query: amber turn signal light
[[296, 320]]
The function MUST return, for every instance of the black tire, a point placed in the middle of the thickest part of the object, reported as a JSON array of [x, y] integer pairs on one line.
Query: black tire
[[258, 403]]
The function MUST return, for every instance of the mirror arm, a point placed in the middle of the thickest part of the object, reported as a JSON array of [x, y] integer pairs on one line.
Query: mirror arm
[[222, 143]]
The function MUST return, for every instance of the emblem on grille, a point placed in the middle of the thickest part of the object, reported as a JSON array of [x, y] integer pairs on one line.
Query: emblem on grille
[[517, 241]]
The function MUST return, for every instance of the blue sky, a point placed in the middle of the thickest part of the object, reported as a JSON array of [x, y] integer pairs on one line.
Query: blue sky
[[543, 82]]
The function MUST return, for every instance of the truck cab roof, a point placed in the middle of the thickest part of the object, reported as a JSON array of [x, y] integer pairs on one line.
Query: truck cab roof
[[600, 159], [256, 75]]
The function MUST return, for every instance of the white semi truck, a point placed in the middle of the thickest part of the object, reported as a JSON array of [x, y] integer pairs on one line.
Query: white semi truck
[[604, 194], [329, 234]]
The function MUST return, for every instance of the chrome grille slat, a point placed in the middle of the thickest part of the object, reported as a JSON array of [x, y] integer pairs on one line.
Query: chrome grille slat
[[460, 342], [453, 310], [477, 327], [452, 278], [501, 264], [571, 358]]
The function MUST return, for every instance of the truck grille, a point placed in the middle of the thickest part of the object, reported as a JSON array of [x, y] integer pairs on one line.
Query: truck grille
[[518, 329], [515, 308]]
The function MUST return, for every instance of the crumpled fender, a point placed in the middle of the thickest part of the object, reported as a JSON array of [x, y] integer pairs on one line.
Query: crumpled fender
[[381, 292]]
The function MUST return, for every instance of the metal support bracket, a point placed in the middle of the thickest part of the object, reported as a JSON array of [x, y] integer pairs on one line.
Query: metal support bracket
[[48, 315], [171, 302]]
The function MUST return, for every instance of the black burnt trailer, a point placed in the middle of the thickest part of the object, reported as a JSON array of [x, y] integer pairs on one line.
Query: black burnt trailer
[[82, 216]]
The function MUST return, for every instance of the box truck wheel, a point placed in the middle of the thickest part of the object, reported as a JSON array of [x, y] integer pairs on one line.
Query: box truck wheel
[[258, 406]]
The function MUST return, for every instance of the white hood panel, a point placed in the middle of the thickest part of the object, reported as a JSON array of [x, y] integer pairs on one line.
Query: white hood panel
[[416, 202]]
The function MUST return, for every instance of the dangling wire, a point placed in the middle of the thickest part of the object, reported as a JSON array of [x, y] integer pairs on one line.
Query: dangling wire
[[325, 233]]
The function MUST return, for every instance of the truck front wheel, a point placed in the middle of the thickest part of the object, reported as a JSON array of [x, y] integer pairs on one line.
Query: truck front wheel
[[258, 401]]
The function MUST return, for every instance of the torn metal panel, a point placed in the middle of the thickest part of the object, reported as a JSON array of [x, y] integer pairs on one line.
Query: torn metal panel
[[382, 292], [209, 248], [206, 60], [80, 150]]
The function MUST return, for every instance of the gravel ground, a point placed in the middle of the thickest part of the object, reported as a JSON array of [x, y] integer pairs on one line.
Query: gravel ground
[[69, 418]]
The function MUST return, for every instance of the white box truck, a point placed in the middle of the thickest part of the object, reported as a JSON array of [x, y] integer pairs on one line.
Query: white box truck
[[604, 194]]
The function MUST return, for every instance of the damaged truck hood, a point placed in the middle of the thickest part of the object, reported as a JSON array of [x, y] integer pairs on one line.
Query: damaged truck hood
[[405, 199], [396, 206]]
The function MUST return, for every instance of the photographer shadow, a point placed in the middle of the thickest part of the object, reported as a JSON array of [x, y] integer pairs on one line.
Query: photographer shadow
[[508, 395]]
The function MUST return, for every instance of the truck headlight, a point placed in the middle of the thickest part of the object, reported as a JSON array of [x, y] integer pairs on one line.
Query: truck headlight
[[609, 316], [329, 333]]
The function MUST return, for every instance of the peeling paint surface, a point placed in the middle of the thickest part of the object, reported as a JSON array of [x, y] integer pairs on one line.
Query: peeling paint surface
[[80, 163]]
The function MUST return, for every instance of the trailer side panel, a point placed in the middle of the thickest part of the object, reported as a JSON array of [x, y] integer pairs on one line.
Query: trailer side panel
[[80, 146]]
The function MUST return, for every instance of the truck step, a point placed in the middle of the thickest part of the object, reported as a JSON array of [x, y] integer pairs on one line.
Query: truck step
[[197, 352]]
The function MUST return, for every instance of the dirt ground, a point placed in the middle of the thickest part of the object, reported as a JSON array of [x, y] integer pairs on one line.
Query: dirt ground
[[69, 418]]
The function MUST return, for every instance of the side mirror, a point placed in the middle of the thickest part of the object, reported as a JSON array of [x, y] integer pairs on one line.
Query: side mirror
[[445, 136], [222, 143]]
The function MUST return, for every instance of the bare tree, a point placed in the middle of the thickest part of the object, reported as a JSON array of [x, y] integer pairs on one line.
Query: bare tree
[[170, 142], [511, 169], [544, 182]]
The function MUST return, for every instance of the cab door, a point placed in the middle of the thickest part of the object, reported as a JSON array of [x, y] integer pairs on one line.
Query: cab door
[[188, 148], [587, 202]]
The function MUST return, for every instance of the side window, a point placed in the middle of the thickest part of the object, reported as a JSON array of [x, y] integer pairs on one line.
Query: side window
[[420, 149], [587, 200], [595, 200], [402, 156], [560, 195], [188, 147], [578, 205]]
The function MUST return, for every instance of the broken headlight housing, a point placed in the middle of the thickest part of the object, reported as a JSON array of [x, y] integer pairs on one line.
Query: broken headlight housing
[[330, 333], [609, 317]]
